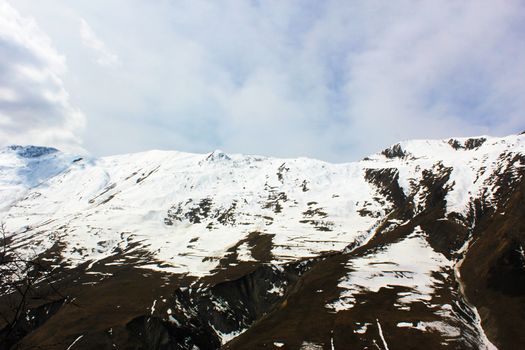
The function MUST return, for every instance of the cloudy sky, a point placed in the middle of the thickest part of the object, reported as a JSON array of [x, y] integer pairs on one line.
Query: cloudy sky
[[334, 80]]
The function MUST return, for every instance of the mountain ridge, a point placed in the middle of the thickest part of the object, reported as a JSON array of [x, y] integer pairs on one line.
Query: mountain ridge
[[396, 227]]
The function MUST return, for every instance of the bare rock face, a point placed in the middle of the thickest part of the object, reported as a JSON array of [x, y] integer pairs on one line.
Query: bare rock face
[[396, 151], [419, 246], [31, 151]]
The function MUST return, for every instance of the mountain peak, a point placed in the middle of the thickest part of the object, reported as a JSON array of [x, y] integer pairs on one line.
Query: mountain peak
[[217, 156], [32, 151], [395, 151]]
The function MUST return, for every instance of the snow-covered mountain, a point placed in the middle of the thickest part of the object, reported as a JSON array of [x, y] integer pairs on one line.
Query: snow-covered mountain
[[418, 245]]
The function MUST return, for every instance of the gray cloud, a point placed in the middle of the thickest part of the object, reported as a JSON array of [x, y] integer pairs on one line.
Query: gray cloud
[[34, 105]]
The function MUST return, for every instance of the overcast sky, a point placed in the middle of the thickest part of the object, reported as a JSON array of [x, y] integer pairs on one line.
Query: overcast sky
[[334, 80]]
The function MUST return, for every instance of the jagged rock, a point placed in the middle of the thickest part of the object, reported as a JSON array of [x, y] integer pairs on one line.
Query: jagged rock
[[396, 151], [32, 151]]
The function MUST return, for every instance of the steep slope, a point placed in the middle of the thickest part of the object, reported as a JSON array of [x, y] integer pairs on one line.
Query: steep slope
[[22, 168], [418, 246]]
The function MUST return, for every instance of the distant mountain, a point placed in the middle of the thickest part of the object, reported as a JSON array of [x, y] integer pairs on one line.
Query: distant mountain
[[418, 246]]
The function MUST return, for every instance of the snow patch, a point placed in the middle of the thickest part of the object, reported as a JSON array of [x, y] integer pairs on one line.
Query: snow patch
[[311, 346], [410, 262]]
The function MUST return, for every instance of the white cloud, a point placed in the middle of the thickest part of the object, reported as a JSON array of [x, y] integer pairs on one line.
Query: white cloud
[[34, 105], [438, 70], [104, 56], [329, 79]]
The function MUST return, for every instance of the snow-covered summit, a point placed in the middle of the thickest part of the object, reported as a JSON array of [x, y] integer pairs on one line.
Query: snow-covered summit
[[448, 147], [217, 155], [25, 167]]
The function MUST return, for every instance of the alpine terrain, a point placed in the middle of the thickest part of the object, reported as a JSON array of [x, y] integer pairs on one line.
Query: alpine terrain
[[420, 246]]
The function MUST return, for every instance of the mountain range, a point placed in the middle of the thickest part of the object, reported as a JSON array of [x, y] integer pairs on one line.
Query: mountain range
[[418, 246]]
